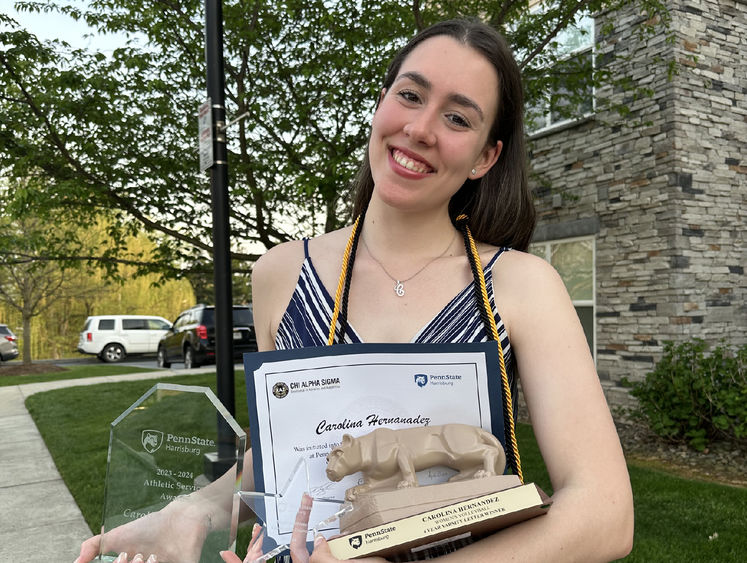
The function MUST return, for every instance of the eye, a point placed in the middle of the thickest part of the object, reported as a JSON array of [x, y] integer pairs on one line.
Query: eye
[[458, 120], [409, 96]]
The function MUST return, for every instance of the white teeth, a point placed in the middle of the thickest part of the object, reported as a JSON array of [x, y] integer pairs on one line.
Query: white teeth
[[408, 163]]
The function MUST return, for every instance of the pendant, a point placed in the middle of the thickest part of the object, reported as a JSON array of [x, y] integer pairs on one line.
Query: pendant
[[399, 289]]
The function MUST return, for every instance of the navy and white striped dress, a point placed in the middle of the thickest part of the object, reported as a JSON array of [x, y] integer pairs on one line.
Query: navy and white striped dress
[[308, 316]]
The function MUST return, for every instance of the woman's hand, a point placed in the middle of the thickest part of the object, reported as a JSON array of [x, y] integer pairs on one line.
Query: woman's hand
[[298, 551], [253, 551], [176, 533], [322, 553], [173, 534], [138, 558]]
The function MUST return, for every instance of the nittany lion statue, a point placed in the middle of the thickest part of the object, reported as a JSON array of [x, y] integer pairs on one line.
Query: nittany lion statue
[[389, 458]]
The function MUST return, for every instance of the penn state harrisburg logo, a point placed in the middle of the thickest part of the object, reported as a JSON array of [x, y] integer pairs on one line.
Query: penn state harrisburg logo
[[421, 379], [280, 390], [151, 440], [355, 542]]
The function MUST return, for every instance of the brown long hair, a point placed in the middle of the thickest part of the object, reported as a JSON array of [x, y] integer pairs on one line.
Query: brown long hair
[[499, 205]]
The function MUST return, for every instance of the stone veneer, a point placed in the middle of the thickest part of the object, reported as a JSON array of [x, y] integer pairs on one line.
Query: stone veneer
[[666, 199]]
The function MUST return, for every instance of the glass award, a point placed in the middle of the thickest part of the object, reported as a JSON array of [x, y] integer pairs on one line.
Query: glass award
[[171, 443]]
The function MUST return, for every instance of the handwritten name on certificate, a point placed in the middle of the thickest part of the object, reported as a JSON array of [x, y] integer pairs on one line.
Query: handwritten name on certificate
[[301, 402]]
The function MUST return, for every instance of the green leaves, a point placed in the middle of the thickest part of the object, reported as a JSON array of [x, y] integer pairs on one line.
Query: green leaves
[[694, 397], [115, 133]]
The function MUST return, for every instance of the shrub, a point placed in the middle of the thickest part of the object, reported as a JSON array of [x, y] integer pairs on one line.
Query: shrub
[[695, 398]]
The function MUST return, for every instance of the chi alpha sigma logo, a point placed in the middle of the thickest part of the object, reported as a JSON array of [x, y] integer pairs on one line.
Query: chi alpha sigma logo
[[151, 440], [280, 390], [355, 542]]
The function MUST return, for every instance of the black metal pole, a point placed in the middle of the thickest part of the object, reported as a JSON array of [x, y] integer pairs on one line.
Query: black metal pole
[[221, 234]]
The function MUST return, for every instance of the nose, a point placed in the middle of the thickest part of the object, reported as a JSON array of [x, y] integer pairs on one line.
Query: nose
[[421, 128]]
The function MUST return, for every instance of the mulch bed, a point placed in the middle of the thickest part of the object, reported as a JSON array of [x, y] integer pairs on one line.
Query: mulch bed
[[722, 462]]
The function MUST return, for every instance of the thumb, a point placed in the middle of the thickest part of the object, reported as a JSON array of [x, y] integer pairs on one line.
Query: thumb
[[89, 549]]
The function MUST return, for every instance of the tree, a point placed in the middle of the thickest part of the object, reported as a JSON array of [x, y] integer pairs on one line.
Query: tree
[[52, 298], [28, 285], [115, 134]]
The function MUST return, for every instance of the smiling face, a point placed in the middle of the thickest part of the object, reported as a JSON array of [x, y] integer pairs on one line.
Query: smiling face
[[431, 127]]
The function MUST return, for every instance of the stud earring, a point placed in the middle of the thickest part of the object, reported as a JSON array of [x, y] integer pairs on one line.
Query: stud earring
[[474, 171]]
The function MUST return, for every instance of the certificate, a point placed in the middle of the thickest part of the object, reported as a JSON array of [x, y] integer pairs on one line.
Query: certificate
[[302, 401]]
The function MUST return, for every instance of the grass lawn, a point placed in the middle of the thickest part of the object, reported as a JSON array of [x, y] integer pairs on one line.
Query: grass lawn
[[674, 516], [72, 372]]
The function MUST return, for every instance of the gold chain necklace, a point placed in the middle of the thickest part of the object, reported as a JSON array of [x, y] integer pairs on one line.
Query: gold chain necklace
[[399, 285]]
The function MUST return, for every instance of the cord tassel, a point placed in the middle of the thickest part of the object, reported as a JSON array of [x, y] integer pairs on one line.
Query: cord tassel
[[481, 294], [344, 281]]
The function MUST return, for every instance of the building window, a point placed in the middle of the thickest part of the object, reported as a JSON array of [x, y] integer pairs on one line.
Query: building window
[[574, 261], [569, 95]]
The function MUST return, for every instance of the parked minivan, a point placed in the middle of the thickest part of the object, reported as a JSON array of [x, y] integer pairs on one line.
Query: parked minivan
[[113, 337]]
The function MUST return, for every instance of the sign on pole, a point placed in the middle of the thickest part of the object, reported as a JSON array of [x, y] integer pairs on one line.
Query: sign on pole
[[205, 122]]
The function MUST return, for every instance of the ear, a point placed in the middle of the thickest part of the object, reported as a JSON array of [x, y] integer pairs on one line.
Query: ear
[[381, 97], [488, 157], [347, 439]]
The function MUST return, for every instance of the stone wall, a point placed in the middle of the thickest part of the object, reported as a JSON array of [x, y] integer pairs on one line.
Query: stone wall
[[664, 190]]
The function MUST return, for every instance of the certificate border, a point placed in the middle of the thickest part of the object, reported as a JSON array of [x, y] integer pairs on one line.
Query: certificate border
[[253, 361]]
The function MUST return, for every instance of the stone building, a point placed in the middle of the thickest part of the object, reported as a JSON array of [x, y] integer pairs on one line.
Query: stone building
[[644, 216]]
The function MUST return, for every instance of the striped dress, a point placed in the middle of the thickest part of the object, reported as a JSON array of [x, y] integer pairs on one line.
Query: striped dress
[[307, 319]]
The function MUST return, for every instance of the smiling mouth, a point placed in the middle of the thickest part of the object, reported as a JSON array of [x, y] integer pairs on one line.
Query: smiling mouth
[[414, 165]]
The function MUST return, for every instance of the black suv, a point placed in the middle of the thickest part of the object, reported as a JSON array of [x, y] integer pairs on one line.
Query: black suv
[[192, 337]]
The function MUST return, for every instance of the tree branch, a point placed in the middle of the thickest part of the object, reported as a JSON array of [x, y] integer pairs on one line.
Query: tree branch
[[497, 21], [560, 26], [419, 24], [24, 258]]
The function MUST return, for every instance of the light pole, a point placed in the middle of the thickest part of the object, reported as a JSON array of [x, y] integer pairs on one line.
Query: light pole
[[221, 234]]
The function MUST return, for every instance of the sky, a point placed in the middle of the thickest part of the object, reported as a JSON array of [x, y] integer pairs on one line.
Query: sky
[[52, 25]]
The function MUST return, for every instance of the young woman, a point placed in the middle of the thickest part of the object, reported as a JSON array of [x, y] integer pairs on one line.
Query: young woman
[[447, 140], [446, 155]]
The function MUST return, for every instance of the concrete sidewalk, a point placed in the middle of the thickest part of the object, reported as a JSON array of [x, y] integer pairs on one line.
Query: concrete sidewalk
[[39, 520]]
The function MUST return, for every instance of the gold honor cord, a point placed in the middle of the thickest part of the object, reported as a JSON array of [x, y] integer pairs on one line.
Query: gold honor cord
[[341, 283], [501, 360], [480, 279]]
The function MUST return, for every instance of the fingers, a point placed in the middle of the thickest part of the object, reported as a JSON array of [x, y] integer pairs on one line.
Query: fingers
[[298, 550], [139, 558], [89, 549], [321, 551], [253, 551]]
